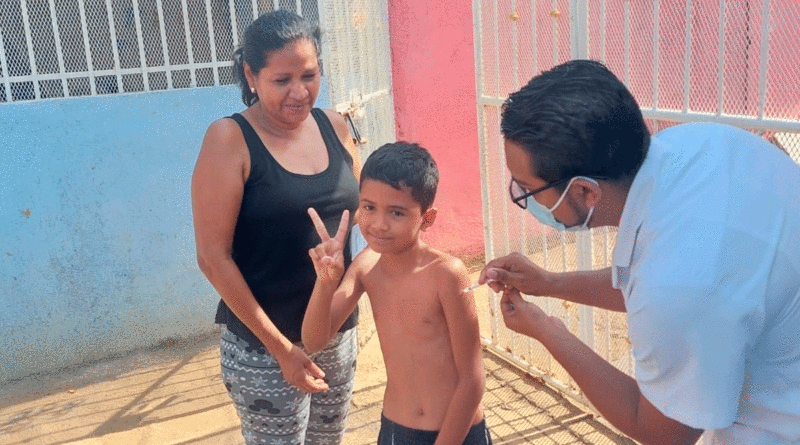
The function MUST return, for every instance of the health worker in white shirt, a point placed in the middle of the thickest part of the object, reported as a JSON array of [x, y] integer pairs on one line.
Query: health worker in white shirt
[[706, 262]]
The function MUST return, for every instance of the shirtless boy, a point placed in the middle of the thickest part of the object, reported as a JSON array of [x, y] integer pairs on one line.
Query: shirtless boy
[[427, 327]]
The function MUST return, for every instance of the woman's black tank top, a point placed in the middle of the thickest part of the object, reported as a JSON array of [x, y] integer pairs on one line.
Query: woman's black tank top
[[274, 232]]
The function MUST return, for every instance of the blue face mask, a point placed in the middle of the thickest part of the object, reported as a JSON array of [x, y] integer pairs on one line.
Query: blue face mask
[[545, 215]]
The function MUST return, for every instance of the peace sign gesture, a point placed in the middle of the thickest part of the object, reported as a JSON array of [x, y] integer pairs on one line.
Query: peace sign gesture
[[328, 256]]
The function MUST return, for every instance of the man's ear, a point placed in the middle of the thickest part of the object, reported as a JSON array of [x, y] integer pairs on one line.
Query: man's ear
[[428, 218], [587, 192]]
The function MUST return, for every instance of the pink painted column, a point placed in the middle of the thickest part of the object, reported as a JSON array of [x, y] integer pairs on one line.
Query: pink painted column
[[433, 77]]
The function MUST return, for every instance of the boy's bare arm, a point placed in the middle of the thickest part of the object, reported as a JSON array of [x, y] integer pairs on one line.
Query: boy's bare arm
[[330, 305], [462, 326], [331, 300]]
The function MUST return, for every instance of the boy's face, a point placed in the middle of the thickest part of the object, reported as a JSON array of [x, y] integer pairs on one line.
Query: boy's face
[[390, 219]]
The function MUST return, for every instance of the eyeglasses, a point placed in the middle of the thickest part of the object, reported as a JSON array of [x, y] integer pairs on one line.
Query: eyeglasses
[[519, 196]]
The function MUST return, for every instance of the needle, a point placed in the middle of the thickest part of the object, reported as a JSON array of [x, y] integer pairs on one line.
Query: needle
[[475, 286]]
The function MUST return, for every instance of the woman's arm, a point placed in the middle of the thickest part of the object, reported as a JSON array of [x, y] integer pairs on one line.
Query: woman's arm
[[217, 188], [464, 331]]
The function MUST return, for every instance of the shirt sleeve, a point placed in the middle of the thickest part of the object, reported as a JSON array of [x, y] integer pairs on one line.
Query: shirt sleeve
[[695, 309]]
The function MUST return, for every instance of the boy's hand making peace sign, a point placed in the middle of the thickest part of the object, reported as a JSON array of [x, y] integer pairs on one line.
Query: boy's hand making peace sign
[[328, 256]]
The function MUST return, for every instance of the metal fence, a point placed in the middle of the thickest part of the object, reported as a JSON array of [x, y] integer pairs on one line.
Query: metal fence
[[69, 48], [72, 48], [726, 61], [358, 68]]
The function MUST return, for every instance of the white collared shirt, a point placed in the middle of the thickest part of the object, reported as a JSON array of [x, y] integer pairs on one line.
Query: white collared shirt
[[708, 259]]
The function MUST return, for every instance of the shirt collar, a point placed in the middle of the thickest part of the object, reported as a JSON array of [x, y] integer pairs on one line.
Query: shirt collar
[[637, 204]]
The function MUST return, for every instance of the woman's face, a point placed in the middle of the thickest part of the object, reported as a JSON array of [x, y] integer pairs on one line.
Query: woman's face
[[288, 85]]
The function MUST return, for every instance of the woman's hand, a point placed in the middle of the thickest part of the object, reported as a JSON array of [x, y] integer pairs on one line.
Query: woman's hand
[[518, 272], [301, 372], [328, 256]]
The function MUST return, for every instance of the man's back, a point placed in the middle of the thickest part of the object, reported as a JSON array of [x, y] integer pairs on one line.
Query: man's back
[[717, 251]]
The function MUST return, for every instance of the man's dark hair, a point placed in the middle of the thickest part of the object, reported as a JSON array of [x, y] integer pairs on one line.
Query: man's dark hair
[[402, 164], [577, 119]]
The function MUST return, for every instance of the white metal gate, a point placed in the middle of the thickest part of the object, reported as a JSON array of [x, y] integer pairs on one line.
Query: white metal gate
[[727, 61], [70, 48], [357, 64]]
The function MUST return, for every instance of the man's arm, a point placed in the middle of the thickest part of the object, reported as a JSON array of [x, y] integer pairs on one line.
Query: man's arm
[[615, 394], [464, 331], [591, 287]]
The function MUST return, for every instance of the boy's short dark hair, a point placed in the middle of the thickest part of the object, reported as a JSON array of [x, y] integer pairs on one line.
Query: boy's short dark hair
[[577, 119], [402, 164]]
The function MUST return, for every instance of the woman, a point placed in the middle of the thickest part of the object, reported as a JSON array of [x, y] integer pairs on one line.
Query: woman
[[256, 175]]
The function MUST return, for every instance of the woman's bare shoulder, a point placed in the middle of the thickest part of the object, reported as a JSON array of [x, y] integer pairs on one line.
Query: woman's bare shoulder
[[224, 140], [224, 131], [339, 124], [343, 132], [336, 119], [223, 149]]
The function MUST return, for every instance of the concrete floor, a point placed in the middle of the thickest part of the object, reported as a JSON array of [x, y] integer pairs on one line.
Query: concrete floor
[[173, 394]]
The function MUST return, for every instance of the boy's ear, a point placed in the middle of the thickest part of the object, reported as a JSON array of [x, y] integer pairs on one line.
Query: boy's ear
[[428, 218]]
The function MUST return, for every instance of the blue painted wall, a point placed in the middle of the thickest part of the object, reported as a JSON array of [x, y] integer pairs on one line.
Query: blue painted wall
[[97, 253]]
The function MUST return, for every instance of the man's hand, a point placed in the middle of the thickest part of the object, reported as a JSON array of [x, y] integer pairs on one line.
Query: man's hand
[[515, 271], [328, 256], [522, 316]]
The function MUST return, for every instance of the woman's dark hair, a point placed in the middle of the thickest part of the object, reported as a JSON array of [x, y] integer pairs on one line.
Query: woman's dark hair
[[401, 164], [272, 31], [577, 119]]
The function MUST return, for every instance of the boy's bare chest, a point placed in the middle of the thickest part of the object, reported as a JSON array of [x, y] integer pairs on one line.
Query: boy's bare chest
[[407, 306]]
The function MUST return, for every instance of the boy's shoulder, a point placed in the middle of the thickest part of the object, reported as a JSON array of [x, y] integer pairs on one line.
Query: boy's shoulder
[[446, 261], [366, 258], [447, 267]]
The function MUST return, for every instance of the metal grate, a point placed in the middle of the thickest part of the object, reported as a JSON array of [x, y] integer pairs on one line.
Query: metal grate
[[357, 64], [726, 61], [70, 48]]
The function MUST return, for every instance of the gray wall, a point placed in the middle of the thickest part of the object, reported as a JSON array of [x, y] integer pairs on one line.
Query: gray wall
[[97, 251]]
